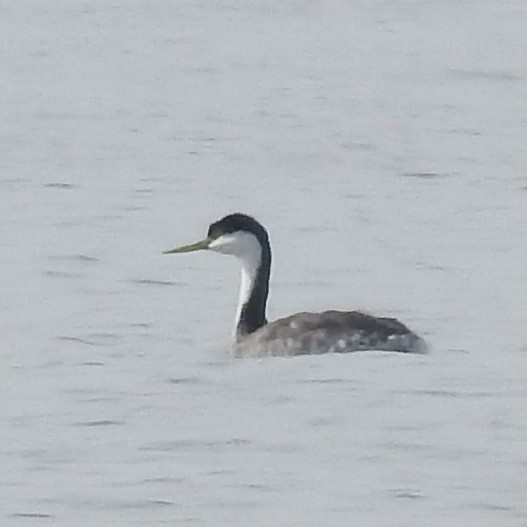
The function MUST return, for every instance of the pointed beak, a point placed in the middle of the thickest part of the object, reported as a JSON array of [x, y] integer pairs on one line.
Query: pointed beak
[[198, 246]]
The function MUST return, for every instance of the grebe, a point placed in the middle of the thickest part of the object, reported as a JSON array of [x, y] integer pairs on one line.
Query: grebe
[[302, 333]]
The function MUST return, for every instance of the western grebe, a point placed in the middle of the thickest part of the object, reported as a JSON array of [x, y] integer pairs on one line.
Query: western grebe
[[302, 333]]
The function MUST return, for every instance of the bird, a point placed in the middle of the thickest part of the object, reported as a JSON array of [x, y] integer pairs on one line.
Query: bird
[[304, 333]]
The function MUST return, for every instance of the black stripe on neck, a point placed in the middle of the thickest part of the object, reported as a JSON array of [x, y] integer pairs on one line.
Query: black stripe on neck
[[252, 314]]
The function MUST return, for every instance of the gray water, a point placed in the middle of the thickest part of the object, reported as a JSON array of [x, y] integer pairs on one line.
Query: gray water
[[383, 145]]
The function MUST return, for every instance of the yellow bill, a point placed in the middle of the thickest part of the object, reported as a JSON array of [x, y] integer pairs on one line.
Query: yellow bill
[[198, 246]]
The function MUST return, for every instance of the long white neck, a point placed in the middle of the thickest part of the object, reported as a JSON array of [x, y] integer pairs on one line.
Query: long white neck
[[250, 264]]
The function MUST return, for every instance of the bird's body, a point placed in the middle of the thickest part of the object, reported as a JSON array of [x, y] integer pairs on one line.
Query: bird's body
[[328, 332], [302, 333]]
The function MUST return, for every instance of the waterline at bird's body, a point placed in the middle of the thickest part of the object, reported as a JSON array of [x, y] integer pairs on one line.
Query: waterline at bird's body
[[302, 333]]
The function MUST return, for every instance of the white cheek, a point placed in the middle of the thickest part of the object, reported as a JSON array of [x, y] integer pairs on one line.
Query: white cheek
[[244, 245], [225, 244]]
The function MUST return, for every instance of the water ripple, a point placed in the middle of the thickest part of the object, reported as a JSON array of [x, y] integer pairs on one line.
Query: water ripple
[[59, 185], [425, 175], [185, 380], [94, 339], [84, 258], [194, 444], [100, 422], [149, 282], [32, 515]]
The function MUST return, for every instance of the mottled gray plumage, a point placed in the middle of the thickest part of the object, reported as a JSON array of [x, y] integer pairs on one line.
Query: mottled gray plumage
[[328, 332]]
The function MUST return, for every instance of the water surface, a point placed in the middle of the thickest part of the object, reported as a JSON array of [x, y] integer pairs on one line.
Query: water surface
[[382, 143]]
